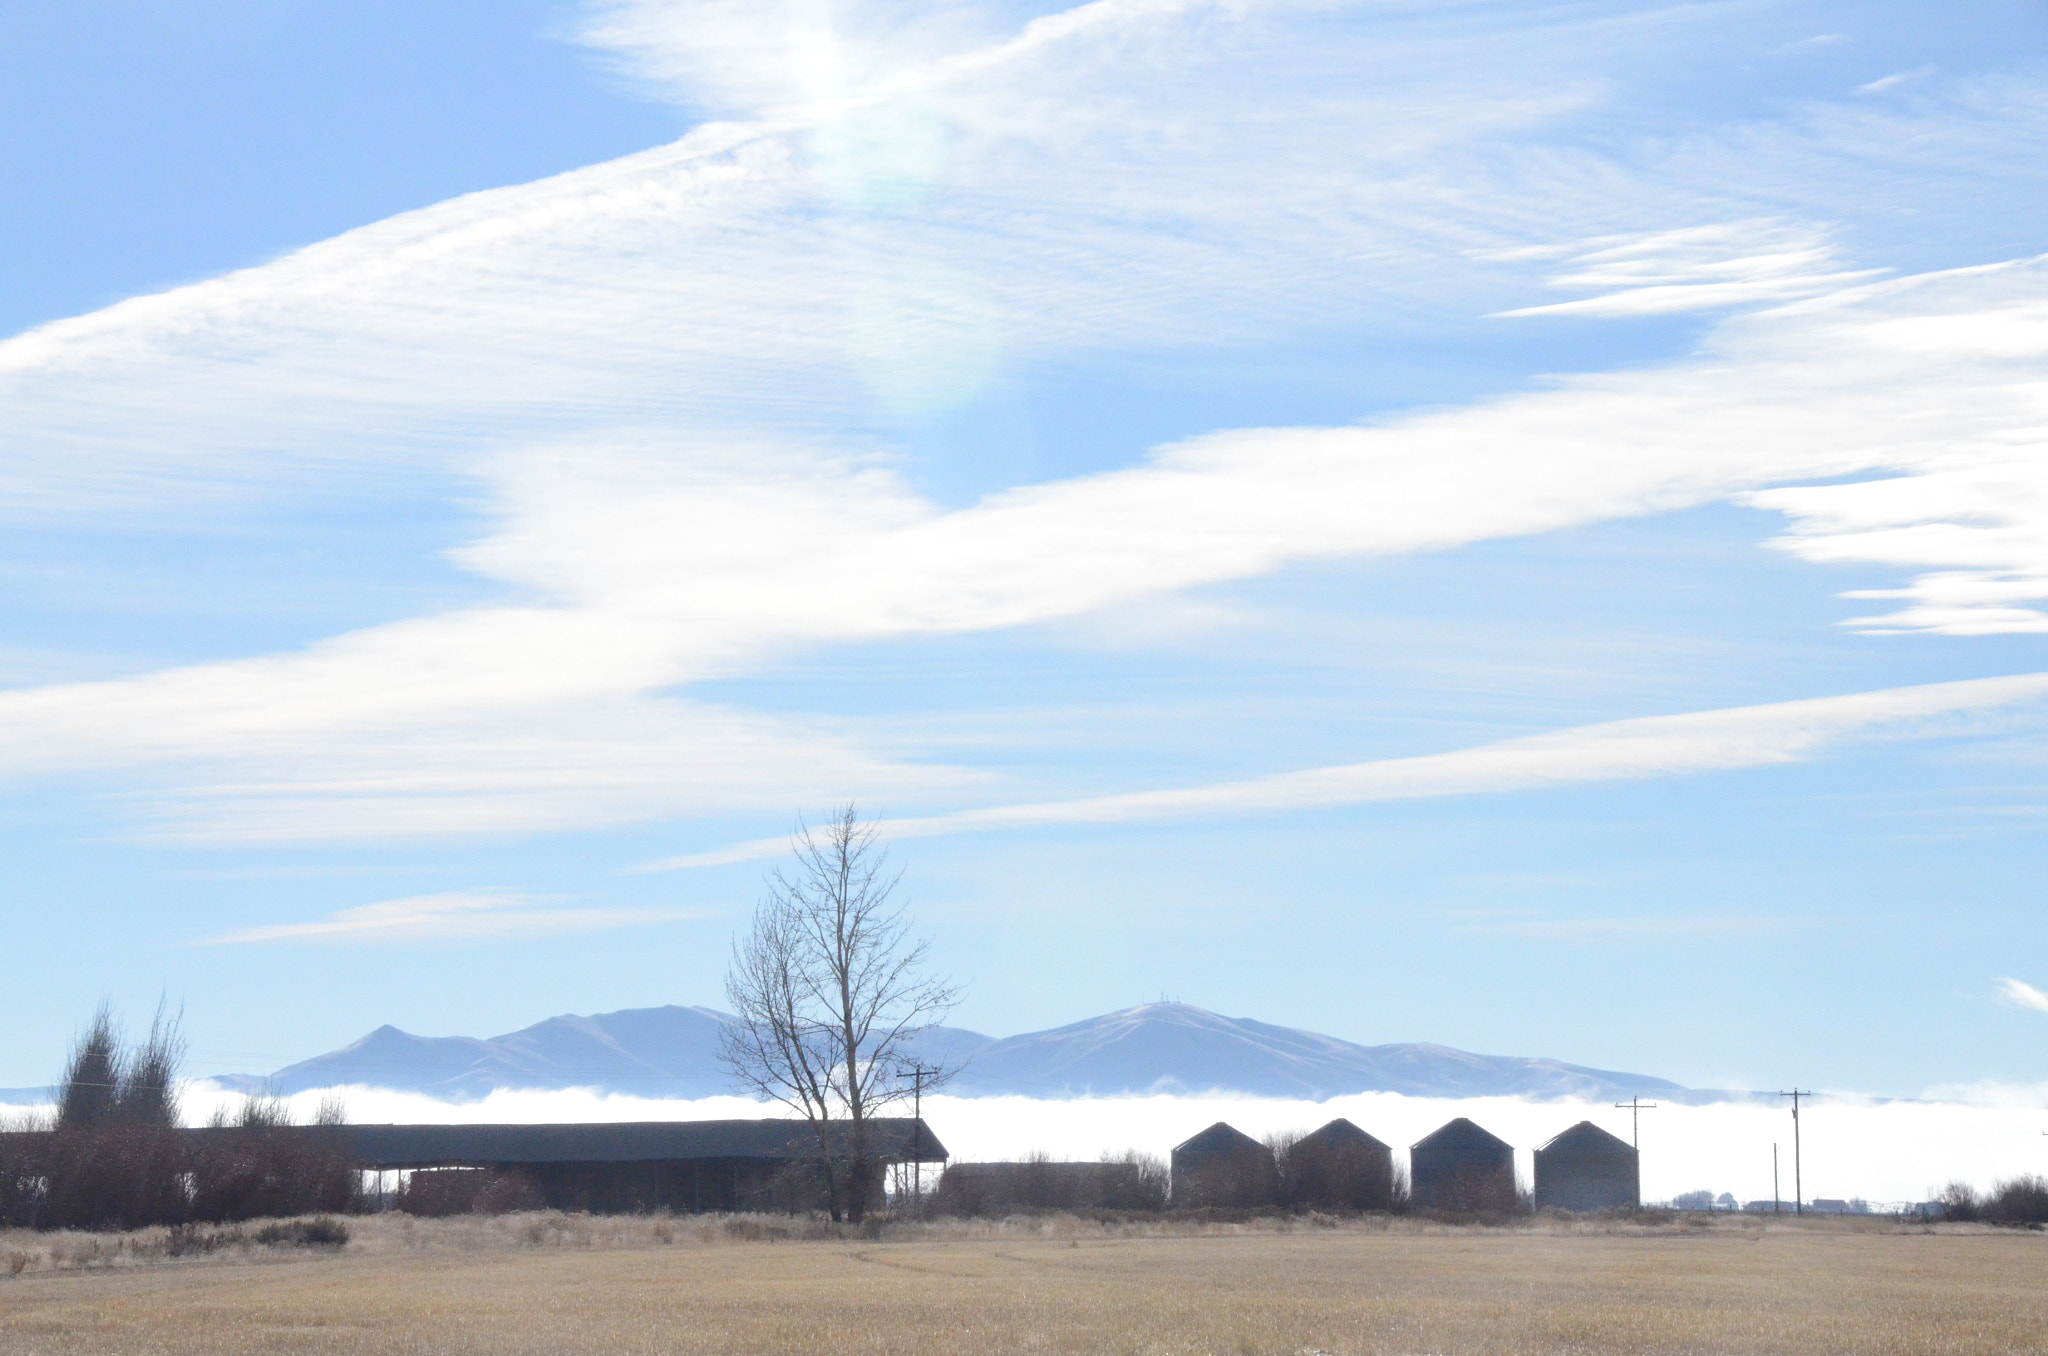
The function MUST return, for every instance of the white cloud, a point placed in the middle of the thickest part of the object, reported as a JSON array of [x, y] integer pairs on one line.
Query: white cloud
[[1739, 263], [660, 377], [649, 573], [1887, 83], [1121, 176], [2022, 995], [1976, 527], [1657, 746], [457, 915]]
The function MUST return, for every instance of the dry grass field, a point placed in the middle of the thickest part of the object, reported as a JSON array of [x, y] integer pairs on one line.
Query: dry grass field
[[566, 1285]]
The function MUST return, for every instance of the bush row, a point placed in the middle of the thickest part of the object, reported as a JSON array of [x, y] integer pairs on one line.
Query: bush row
[[113, 1156], [2020, 1200]]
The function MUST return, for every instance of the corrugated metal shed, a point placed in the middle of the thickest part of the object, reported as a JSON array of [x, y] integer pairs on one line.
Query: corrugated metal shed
[[1585, 1168], [1339, 1167], [1342, 1134], [1460, 1166], [1223, 1166]]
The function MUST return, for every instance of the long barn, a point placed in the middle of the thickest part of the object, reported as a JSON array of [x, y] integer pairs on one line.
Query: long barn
[[691, 1166]]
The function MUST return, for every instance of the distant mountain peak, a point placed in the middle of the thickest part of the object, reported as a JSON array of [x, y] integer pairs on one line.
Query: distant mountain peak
[[1163, 1047]]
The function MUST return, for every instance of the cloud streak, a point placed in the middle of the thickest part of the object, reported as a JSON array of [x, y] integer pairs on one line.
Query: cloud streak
[[649, 575], [1656, 746], [2022, 995], [456, 916], [668, 382], [1699, 268]]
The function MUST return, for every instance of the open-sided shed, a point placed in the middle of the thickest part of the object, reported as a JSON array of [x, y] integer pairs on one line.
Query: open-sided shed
[[1223, 1166], [1585, 1168], [1461, 1167], [650, 1165]]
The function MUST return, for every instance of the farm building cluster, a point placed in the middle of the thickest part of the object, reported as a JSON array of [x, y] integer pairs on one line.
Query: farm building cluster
[[1459, 1166], [692, 1167], [696, 1166]]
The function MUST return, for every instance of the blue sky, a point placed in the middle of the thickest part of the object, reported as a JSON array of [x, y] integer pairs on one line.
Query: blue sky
[[1513, 525]]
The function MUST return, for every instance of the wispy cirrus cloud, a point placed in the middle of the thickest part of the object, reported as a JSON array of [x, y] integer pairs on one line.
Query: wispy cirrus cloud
[[458, 915], [649, 573], [667, 382], [1741, 263], [1657, 746], [2021, 994]]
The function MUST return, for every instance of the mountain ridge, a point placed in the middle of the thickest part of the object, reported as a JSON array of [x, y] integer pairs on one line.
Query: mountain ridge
[[1152, 1049]]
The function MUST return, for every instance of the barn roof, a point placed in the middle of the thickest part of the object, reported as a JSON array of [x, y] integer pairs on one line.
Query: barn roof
[[420, 1146], [1220, 1138], [1461, 1136], [1587, 1138], [1339, 1134]]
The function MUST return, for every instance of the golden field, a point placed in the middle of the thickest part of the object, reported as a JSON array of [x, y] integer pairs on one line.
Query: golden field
[[569, 1284]]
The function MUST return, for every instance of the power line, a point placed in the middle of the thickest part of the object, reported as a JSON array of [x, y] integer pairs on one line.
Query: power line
[[1635, 1106], [918, 1073], [1798, 1180]]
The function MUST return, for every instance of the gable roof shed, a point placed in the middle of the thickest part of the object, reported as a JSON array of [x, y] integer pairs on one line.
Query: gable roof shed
[[1461, 1166], [1586, 1168]]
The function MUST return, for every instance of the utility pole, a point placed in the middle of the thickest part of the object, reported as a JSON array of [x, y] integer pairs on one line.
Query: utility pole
[[1776, 1207], [1798, 1178], [917, 1074], [1635, 1107]]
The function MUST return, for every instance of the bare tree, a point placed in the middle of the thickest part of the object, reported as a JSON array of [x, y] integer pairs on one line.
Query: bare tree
[[830, 991], [89, 1091]]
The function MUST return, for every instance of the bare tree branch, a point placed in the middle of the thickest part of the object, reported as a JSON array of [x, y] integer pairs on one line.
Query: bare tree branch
[[830, 991]]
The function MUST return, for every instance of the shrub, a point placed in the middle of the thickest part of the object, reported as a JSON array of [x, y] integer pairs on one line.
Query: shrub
[[114, 1158], [1134, 1181], [2022, 1200], [23, 1165], [321, 1232], [1040, 1184], [437, 1192], [258, 1164], [1958, 1201], [185, 1239]]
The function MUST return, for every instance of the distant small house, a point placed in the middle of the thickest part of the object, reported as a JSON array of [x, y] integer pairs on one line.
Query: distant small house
[[1585, 1168], [1339, 1167], [1223, 1166], [1461, 1167]]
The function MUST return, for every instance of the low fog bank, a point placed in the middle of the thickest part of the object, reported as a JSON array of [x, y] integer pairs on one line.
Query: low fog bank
[[1880, 1151]]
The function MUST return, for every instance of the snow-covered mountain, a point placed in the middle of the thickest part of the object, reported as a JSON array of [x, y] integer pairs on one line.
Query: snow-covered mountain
[[1174, 1047], [649, 1052], [1159, 1047]]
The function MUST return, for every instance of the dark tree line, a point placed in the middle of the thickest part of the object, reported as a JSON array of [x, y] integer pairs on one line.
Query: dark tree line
[[113, 1155]]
